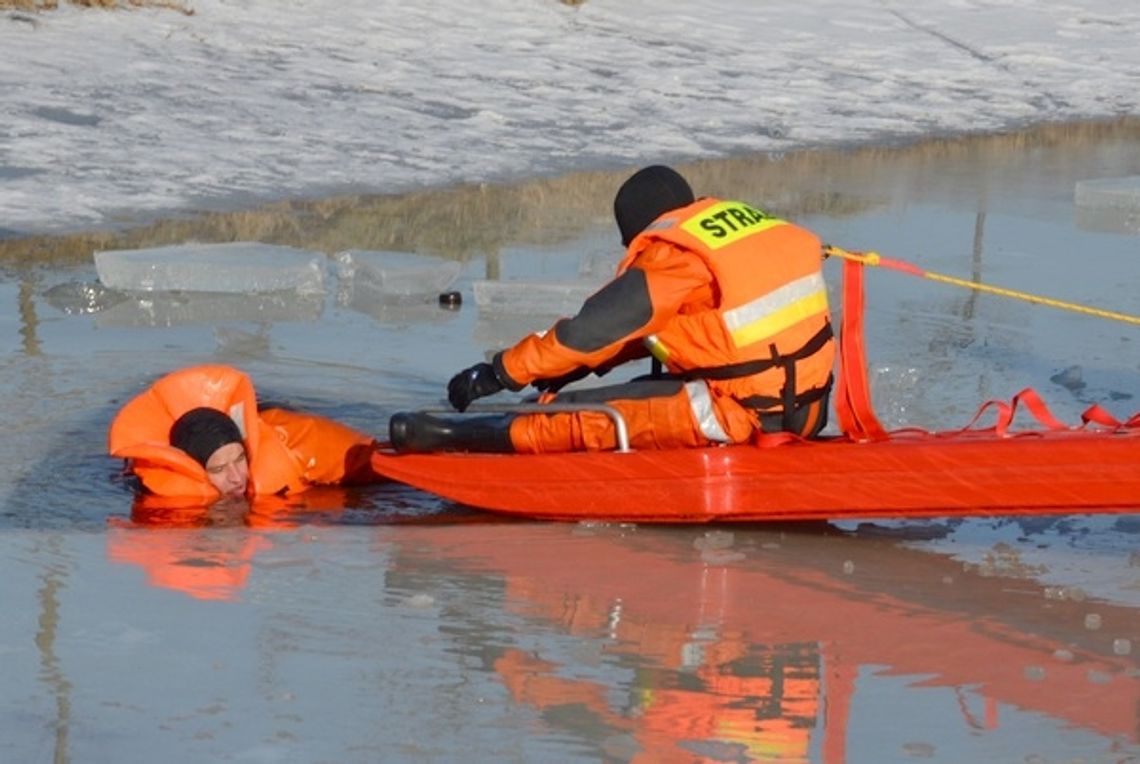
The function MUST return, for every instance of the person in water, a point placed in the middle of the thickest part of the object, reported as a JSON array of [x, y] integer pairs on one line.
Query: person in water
[[197, 435], [728, 300], [215, 442]]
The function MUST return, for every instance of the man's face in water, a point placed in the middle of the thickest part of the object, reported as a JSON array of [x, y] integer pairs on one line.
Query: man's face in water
[[228, 470]]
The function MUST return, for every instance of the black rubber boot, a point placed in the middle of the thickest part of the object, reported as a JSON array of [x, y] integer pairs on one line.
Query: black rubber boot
[[417, 432]]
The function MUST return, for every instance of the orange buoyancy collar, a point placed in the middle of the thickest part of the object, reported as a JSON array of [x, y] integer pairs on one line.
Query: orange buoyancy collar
[[140, 433]]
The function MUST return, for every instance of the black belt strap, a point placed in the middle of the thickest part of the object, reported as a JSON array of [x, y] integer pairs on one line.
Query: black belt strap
[[787, 403], [748, 368], [766, 402]]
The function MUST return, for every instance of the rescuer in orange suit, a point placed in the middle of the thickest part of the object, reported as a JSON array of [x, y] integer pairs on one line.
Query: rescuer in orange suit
[[728, 300], [196, 436]]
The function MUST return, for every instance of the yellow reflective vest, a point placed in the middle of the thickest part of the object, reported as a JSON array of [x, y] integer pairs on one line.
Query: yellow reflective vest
[[768, 343]]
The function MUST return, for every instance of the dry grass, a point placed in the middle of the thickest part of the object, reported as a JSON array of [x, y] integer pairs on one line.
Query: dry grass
[[51, 5]]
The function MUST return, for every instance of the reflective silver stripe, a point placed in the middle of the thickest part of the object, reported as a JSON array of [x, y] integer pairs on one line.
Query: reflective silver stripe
[[700, 401], [767, 305], [662, 224]]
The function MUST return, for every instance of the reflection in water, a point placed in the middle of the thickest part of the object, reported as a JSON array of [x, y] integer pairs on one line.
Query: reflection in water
[[976, 272], [201, 551], [162, 309], [204, 565], [761, 645], [54, 578], [208, 552], [1110, 219], [29, 324], [976, 262]]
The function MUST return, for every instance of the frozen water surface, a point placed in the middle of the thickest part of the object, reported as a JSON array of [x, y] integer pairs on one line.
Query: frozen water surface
[[385, 625], [266, 100], [392, 626]]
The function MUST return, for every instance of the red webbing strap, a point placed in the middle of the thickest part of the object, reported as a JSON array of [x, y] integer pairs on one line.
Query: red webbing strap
[[1035, 405], [773, 439], [1095, 414], [856, 413], [853, 407], [1029, 399]]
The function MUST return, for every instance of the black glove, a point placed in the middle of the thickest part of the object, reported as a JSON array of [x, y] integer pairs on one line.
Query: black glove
[[472, 383]]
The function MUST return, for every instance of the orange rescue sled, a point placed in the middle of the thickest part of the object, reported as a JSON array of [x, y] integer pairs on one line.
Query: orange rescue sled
[[866, 472]]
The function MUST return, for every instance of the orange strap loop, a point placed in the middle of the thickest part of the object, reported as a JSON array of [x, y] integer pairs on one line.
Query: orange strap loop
[[853, 407], [856, 413], [1033, 403]]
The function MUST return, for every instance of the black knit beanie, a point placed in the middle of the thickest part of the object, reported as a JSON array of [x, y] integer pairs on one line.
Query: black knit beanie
[[645, 196], [202, 431]]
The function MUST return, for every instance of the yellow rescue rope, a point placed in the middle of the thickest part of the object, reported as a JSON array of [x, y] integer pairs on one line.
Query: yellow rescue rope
[[875, 259]]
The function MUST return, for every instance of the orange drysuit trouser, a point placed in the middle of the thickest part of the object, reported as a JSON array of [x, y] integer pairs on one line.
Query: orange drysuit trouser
[[664, 421], [658, 414]]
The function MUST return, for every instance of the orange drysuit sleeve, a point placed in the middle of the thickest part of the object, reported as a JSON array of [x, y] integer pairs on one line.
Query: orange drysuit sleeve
[[326, 452], [662, 282]]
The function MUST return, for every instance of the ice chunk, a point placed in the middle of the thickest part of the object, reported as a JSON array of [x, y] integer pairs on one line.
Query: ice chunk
[[501, 330], [598, 265], [395, 274], [238, 267], [162, 309], [1119, 193], [235, 343], [369, 299], [1110, 205], [79, 297], [555, 298]]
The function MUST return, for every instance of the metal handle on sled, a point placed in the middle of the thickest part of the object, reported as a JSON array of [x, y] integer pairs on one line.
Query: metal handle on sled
[[621, 431]]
